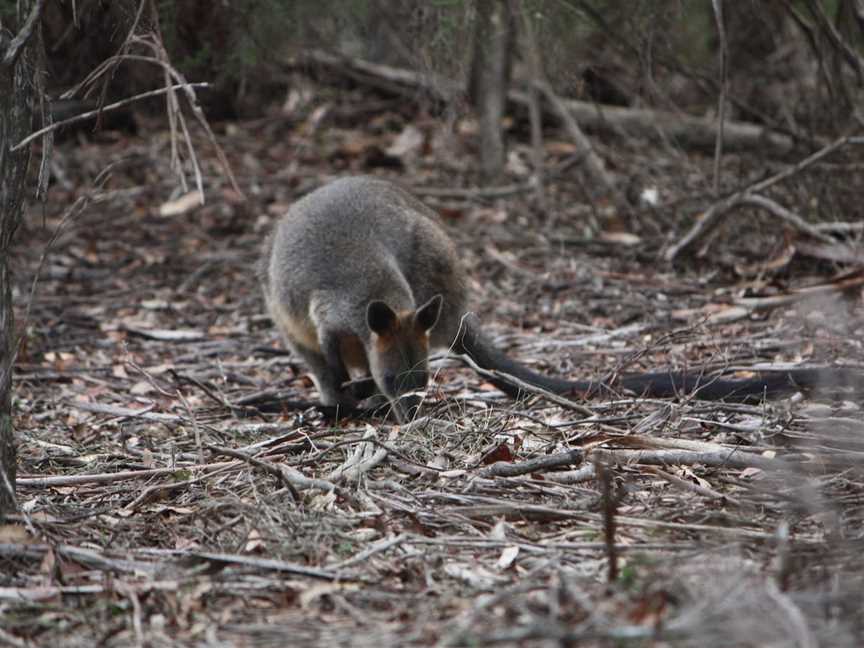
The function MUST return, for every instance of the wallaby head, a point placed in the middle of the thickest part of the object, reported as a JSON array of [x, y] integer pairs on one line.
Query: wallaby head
[[398, 347]]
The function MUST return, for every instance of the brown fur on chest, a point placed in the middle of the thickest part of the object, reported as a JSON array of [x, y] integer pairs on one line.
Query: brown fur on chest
[[353, 355], [299, 330]]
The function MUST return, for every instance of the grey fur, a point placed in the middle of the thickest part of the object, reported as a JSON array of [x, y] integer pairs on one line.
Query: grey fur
[[343, 246]]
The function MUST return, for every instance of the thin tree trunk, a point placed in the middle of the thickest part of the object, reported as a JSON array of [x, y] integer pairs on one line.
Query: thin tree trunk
[[490, 77], [17, 98]]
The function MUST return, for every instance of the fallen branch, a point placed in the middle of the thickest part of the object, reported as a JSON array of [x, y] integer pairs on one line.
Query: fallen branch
[[109, 478], [266, 466], [724, 459], [709, 220], [267, 564], [685, 130], [49, 593], [838, 285], [594, 164], [124, 412], [790, 217], [834, 252], [578, 476], [87, 557], [539, 464]]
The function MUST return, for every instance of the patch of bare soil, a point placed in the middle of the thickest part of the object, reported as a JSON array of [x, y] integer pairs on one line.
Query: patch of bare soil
[[178, 486]]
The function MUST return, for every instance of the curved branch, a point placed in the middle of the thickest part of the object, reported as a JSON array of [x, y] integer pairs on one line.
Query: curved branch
[[16, 46]]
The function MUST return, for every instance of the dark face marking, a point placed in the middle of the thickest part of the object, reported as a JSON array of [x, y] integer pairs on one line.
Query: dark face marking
[[398, 358]]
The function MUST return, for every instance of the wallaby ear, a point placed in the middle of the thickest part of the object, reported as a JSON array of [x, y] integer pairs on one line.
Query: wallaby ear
[[380, 318], [427, 315]]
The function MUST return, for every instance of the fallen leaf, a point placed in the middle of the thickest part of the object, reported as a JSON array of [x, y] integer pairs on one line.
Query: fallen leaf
[[407, 142], [501, 452], [13, 534], [621, 238], [254, 542], [507, 557], [476, 577], [181, 205], [141, 388], [751, 473]]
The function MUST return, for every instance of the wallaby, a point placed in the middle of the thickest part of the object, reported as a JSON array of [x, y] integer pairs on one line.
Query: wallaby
[[362, 280]]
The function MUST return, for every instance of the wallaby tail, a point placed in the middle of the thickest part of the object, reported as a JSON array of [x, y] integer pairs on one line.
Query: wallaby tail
[[472, 342], [765, 384]]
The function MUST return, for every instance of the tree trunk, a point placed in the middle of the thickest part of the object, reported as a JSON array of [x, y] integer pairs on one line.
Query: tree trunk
[[17, 98], [490, 77]]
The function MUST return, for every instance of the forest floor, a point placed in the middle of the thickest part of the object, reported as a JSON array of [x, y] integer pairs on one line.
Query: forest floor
[[178, 486]]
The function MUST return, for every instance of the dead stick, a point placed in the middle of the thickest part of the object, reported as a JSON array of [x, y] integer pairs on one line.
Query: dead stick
[[610, 508], [593, 162], [540, 464], [108, 478], [789, 216], [725, 459], [711, 218]]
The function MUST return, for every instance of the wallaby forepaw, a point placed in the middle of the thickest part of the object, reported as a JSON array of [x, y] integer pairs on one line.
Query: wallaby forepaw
[[362, 389]]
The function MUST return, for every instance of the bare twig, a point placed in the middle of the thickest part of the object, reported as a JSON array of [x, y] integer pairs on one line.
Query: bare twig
[[839, 284], [786, 215], [687, 130], [610, 507], [109, 478], [728, 459], [364, 555], [578, 476], [93, 113], [124, 412], [268, 564], [712, 217]]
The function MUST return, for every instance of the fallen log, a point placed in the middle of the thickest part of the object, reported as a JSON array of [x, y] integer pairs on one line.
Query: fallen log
[[686, 131]]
